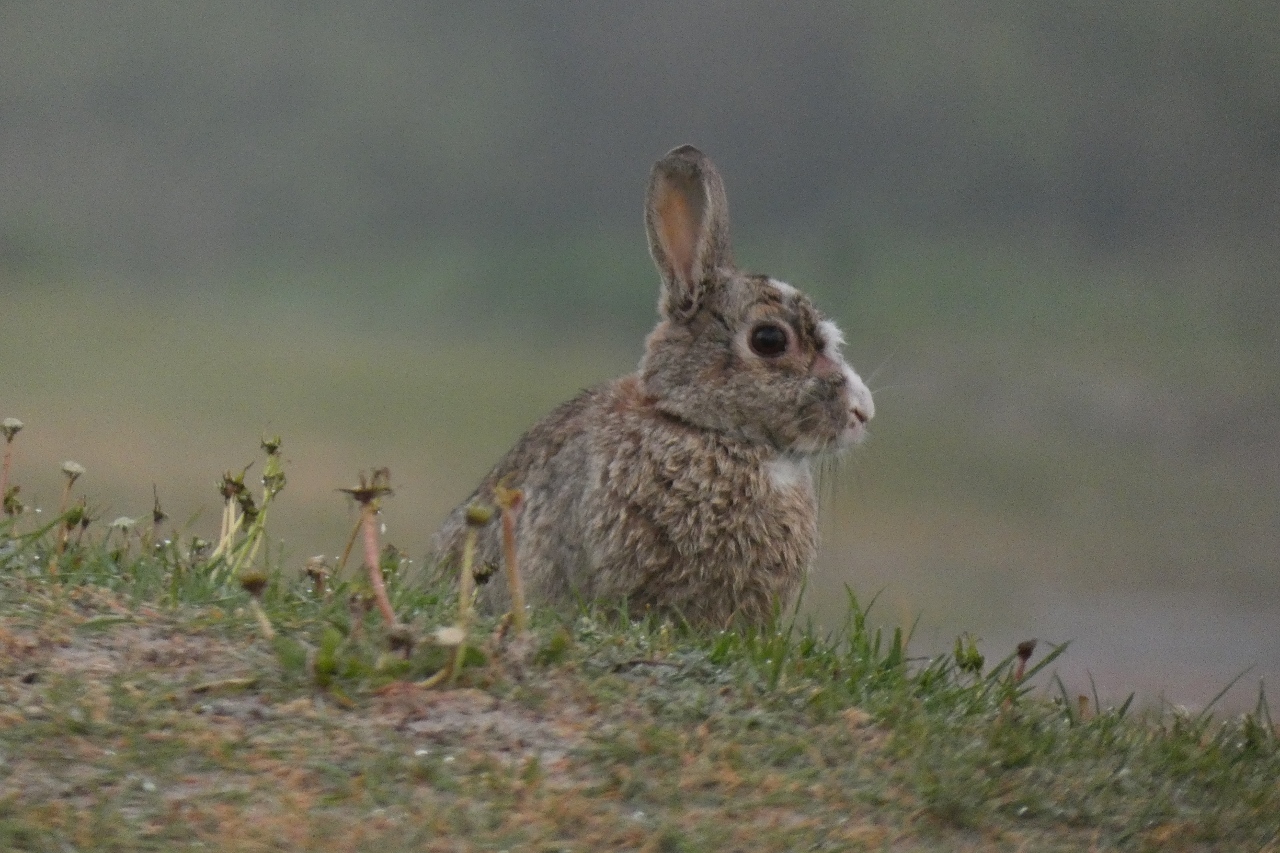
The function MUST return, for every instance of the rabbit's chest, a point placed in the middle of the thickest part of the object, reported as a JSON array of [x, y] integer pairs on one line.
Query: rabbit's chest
[[714, 531], [701, 498]]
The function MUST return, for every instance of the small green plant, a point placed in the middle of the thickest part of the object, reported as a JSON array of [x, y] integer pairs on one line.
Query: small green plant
[[477, 517], [968, 658], [239, 509]]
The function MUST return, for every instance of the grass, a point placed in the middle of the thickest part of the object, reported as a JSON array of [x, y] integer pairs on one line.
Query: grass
[[148, 707]]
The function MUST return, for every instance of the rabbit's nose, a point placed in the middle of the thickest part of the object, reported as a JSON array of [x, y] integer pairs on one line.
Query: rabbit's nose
[[861, 406]]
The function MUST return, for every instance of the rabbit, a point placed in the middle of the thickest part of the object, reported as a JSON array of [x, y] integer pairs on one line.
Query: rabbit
[[684, 488]]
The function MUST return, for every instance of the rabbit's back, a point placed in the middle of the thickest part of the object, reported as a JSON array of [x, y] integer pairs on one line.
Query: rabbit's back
[[543, 464]]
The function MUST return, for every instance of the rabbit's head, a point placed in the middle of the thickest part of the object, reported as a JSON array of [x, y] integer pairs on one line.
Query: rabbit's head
[[736, 353]]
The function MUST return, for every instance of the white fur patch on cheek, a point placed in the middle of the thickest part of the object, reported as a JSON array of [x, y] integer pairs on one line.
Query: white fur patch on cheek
[[783, 288], [834, 339], [787, 472]]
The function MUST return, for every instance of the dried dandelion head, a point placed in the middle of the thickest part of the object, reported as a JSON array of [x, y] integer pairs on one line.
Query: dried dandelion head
[[1025, 649], [10, 427], [254, 582], [13, 506], [158, 515], [232, 485], [450, 635], [273, 478], [378, 485], [72, 471]]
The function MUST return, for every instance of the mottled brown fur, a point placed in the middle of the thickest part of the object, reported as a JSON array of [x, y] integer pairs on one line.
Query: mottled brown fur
[[684, 487]]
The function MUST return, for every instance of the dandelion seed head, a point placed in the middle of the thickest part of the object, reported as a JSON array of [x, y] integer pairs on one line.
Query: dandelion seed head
[[450, 636]]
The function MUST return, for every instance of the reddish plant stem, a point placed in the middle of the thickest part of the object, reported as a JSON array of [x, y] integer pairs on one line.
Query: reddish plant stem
[[510, 509], [369, 528], [1025, 649]]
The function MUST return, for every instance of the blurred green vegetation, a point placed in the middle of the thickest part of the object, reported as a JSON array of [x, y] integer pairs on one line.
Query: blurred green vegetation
[[153, 136]]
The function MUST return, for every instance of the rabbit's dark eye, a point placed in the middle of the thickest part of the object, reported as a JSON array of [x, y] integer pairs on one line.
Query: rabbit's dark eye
[[768, 340]]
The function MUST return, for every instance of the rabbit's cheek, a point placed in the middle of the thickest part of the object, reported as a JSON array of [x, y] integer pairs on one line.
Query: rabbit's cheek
[[817, 417]]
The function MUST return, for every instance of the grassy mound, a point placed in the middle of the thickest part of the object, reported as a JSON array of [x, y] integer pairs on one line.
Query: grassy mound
[[156, 699]]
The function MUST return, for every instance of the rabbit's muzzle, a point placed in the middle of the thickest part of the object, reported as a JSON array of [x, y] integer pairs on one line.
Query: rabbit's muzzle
[[833, 410], [848, 397], [859, 407]]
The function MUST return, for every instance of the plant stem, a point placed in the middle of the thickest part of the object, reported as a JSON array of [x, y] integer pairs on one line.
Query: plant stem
[[4, 471], [64, 532], [231, 522], [509, 511], [466, 592], [368, 519], [351, 542], [268, 632], [66, 495]]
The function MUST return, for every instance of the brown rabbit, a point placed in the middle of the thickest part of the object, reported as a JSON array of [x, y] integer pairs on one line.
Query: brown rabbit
[[686, 486]]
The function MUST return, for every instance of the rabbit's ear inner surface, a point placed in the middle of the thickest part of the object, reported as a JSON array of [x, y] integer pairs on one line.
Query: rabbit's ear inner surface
[[687, 218]]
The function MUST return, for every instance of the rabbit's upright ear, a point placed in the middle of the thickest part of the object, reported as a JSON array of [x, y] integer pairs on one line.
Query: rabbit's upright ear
[[687, 218]]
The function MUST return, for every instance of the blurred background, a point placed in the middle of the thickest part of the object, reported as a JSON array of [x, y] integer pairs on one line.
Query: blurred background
[[396, 233]]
